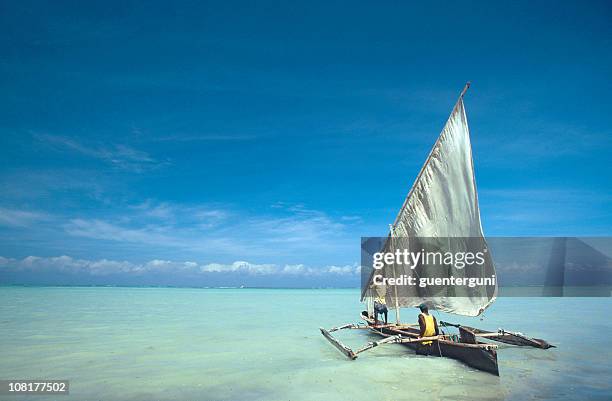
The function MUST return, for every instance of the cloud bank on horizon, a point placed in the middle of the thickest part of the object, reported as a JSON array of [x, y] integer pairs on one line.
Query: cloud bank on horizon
[[280, 136], [67, 270]]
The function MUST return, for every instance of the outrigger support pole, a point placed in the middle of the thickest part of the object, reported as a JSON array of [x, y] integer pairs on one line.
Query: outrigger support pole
[[346, 326], [349, 353], [393, 339]]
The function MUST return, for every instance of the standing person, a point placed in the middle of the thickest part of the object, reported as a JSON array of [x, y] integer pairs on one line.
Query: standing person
[[380, 307]]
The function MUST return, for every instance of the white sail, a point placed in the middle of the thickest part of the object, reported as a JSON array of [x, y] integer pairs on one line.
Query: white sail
[[443, 202]]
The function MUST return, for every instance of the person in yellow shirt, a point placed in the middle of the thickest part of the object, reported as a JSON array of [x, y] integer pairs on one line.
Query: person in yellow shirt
[[380, 308], [429, 328]]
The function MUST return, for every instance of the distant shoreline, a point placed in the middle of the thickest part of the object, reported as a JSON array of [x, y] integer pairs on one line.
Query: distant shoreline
[[173, 287]]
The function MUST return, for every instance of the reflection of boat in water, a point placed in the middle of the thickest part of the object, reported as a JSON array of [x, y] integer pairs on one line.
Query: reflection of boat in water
[[442, 205]]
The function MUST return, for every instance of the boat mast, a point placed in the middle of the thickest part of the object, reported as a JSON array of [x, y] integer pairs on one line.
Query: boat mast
[[397, 308], [465, 88]]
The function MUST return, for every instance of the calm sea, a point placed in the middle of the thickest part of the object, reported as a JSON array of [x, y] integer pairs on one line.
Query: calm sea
[[255, 344]]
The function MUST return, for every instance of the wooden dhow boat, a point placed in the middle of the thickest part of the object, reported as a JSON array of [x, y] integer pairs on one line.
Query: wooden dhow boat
[[442, 204], [466, 347]]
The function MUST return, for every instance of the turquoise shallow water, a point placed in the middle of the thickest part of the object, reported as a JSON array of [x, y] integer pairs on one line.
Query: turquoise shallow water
[[254, 344]]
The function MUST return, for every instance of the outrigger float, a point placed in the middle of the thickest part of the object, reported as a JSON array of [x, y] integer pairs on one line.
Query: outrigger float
[[442, 205]]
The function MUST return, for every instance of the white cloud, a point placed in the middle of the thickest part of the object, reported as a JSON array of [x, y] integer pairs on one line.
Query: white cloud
[[295, 269], [240, 266], [192, 231], [172, 213], [344, 270], [215, 231], [67, 264], [99, 229], [302, 270], [300, 226], [119, 156], [19, 218], [161, 210]]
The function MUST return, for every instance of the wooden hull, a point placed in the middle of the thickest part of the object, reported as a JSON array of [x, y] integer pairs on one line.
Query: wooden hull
[[477, 356]]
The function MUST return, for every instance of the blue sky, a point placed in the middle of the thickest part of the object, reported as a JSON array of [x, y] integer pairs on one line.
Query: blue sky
[[169, 138]]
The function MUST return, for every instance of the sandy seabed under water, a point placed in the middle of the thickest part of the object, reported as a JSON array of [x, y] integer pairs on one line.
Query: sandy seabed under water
[[258, 344]]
